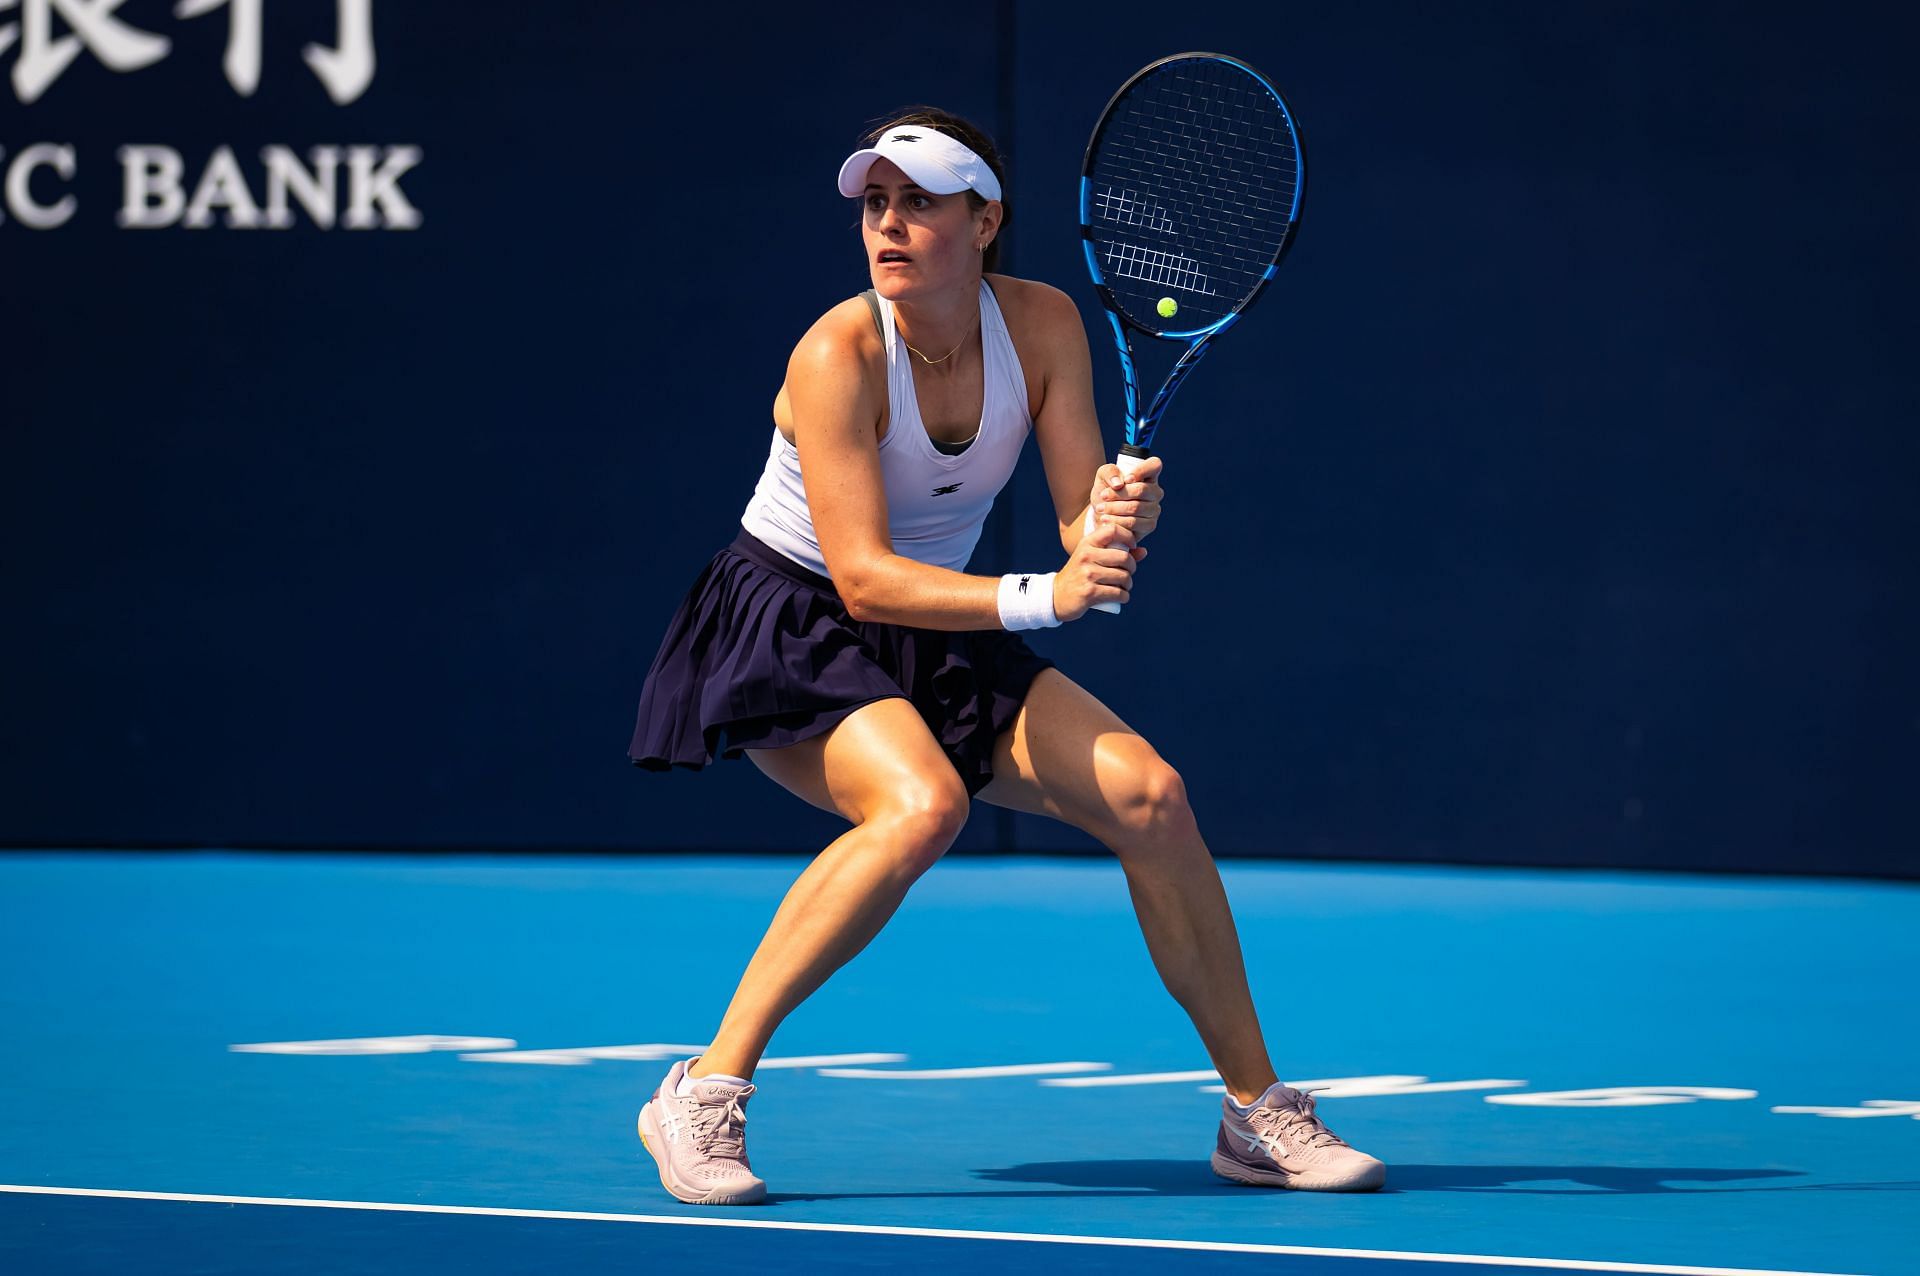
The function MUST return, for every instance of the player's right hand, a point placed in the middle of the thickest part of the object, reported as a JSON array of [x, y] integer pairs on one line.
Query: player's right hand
[[1100, 570]]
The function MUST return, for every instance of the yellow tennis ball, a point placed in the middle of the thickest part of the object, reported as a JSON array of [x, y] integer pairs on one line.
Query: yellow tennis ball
[[1168, 307]]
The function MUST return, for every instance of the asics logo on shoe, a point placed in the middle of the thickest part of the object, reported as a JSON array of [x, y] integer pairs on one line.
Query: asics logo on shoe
[[1270, 1142]]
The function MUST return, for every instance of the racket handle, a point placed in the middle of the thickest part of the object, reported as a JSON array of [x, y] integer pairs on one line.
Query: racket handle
[[1129, 460]]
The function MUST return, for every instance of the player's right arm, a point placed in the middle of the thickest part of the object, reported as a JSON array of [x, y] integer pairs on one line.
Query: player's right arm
[[836, 392]]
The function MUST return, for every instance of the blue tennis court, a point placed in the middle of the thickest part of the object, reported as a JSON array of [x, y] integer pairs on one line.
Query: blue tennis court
[[232, 1062]]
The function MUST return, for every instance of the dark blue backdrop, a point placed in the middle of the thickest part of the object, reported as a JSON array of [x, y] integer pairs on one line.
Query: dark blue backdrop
[[1557, 506]]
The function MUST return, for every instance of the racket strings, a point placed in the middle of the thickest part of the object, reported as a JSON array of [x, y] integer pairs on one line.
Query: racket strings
[[1192, 191]]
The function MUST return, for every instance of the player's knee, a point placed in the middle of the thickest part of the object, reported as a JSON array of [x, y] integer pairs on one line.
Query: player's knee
[[925, 818], [1156, 799]]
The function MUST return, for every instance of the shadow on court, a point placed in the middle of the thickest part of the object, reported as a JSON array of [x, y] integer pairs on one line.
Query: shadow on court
[[1179, 1178]]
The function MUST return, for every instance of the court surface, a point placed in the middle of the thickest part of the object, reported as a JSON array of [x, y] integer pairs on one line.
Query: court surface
[[1582, 1070]]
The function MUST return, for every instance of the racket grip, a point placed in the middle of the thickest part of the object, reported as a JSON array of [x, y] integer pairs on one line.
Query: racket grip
[[1129, 460]]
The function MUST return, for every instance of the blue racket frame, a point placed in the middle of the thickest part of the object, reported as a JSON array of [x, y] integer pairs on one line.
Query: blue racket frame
[[1140, 426]]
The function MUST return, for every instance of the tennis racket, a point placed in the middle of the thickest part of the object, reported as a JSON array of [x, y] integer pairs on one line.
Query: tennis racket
[[1189, 195]]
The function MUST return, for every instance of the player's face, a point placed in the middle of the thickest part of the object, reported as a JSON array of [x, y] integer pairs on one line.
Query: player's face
[[918, 242]]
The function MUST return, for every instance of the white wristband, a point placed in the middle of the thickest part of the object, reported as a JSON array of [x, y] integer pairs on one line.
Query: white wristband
[[1026, 601]]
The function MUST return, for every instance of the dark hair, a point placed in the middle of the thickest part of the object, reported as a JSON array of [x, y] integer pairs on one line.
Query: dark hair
[[975, 139]]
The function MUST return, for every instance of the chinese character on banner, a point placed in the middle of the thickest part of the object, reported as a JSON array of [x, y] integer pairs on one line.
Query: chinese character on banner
[[346, 69], [43, 58]]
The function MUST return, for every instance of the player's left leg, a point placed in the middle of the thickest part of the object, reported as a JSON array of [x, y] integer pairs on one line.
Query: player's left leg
[[1070, 757]]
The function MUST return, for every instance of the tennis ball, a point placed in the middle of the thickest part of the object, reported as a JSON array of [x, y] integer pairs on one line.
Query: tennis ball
[[1168, 307]]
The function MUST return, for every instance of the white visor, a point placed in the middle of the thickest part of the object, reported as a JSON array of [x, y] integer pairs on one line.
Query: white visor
[[936, 163]]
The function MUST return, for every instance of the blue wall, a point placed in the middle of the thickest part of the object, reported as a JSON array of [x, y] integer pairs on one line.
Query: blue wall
[[1557, 506]]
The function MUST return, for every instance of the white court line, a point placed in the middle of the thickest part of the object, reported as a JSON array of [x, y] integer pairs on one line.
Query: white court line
[[1328, 1087], [577, 1056], [1232, 1247], [955, 1074], [1139, 1078], [824, 1060]]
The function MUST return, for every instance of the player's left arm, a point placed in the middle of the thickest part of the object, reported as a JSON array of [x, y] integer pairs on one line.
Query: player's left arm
[[1067, 428]]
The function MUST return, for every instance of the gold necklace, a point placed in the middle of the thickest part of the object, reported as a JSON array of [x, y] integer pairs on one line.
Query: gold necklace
[[943, 358]]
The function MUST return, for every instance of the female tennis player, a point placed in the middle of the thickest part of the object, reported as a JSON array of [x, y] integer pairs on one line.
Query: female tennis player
[[839, 644]]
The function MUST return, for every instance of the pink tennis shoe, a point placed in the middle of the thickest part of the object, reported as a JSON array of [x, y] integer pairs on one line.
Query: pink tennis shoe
[[1281, 1143], [699, 1140]]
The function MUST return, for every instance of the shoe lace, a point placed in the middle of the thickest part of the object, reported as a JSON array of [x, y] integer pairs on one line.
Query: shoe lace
[[1302, 1125], [720, 1128]]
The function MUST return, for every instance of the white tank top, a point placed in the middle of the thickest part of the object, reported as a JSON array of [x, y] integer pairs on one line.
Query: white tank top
[[936, 504]]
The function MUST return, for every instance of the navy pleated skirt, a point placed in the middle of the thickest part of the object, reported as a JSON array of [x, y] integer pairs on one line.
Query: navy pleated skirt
[[761, 654]]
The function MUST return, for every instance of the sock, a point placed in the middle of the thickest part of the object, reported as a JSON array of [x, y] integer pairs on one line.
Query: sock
[[688, 1080], [1244, 1108]]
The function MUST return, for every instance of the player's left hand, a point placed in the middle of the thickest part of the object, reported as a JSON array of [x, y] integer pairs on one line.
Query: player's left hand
[[1133, 501]]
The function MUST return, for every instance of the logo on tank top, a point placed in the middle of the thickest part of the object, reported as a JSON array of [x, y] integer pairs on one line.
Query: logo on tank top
[[951, 487]]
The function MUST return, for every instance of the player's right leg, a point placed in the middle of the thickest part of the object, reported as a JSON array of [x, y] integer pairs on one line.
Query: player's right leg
[[881, 769]]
